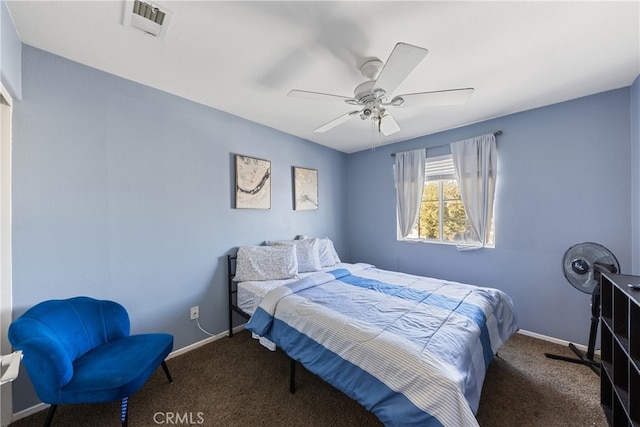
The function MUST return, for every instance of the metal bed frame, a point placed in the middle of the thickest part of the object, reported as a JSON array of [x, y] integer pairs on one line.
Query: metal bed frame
[[233, 308], [233, 293]]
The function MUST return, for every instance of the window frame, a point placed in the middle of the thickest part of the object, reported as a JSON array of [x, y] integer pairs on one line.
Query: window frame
[[442, 201], [442, 170]]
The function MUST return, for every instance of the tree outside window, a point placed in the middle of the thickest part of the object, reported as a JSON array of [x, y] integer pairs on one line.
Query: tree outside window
[[442, 217]]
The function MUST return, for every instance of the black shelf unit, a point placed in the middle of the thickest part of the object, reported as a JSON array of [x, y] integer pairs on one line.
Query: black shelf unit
[[620, 350]]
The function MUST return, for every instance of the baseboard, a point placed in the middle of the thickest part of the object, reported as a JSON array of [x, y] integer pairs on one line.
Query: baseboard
[[42, 406], [205, 341], [29, 411], [556, 340]]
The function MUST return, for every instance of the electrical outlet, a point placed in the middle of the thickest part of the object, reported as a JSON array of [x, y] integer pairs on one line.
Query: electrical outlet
[[194, 312]]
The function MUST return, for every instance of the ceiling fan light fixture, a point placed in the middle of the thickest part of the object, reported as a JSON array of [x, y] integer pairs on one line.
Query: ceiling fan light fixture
[[366, 113]]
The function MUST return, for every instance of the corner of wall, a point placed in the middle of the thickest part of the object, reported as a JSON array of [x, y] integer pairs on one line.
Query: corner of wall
[[634, 109], [10, 54]]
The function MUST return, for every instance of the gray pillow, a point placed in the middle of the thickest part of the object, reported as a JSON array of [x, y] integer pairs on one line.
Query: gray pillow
[[266, 263]]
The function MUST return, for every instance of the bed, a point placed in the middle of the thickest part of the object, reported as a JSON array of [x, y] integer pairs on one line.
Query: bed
[[413, 350]]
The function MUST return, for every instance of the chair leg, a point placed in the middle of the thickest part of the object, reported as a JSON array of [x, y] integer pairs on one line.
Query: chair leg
[[166, 371], [50, 414], [124, 411]]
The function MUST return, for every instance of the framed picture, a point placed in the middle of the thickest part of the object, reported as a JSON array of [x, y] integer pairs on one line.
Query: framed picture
[[305, 189], [253, 183]]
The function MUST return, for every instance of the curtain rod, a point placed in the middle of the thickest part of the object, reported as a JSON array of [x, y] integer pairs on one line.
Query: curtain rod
[[496, 133]]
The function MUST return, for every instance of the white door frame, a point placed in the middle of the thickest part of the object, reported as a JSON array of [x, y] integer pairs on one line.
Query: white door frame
[[6, 298]]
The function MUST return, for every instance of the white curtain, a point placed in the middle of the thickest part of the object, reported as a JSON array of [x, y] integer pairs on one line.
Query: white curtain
[[409, 176], [474, 162]]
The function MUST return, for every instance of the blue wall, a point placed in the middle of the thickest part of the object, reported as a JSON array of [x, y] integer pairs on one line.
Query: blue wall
[[635, 177], [564, 177], [124, 192]]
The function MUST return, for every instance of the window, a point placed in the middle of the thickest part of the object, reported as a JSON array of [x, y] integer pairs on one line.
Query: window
[[442, 218]]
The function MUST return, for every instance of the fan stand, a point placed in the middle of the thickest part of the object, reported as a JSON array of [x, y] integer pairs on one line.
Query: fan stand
[[586, 359]]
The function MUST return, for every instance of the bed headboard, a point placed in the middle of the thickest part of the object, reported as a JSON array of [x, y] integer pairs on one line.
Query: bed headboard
[[231, 266], [233, 292]]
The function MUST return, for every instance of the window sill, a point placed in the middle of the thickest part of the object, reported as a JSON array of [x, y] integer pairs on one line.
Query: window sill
[[436, 242]]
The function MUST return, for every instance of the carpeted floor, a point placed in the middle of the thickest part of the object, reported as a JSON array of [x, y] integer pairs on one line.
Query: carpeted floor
[[236, 382]]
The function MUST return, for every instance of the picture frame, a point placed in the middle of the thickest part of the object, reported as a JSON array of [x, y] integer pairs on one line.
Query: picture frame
[[305, 189], [253, 182]]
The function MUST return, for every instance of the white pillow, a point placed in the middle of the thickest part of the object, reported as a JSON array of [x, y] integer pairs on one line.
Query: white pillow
[[306, 253], [266, 263], [332, 249], [326, 252]]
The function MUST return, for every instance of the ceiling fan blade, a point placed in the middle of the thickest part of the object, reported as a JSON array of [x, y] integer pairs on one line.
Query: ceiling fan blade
[[432, 99], [401, 62], [317, 96], [335, 122], [388, 125]]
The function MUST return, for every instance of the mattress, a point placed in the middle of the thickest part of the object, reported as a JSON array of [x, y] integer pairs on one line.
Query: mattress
[[250, 293]]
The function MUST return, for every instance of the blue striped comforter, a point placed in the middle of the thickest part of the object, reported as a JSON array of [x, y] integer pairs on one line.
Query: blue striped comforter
[[413, 350]]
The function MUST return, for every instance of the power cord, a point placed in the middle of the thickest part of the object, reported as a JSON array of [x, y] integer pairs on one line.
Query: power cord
[[202, 329]]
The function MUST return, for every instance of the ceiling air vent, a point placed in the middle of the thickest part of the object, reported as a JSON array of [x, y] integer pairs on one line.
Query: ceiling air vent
[[146, 17]]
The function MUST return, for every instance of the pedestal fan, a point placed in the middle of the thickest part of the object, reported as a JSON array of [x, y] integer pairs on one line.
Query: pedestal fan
[[582, 265]]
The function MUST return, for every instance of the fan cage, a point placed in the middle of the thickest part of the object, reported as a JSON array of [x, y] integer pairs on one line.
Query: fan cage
[[596, 257]]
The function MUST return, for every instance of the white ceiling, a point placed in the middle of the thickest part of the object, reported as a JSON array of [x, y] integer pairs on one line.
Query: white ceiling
[[244, 57]]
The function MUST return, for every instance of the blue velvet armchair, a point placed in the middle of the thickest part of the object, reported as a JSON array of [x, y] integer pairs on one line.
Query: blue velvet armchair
[[79, 350]]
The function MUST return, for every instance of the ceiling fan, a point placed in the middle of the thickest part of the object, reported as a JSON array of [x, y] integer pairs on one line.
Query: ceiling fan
[[375, 94]]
